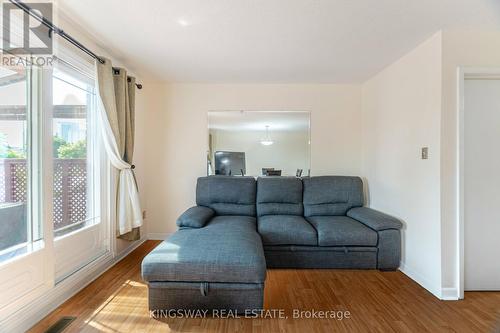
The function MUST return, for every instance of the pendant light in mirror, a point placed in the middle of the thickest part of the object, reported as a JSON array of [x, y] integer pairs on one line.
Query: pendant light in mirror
[[267, 140]]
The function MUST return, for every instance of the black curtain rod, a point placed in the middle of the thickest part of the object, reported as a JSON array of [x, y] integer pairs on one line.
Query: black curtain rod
[[60, 32]]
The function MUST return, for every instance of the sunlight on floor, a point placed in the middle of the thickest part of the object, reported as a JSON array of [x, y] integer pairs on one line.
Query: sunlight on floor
[[127, 302]]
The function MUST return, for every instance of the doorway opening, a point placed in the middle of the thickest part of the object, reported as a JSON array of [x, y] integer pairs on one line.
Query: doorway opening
[[478, 130]]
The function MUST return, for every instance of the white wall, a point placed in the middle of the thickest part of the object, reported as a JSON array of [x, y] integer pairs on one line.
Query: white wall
[[471, 48], [177, 133], [410, 104], [401, 113], [289, 152]]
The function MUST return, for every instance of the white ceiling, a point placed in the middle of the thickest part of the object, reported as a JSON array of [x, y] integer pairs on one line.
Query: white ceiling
[[276, 41], [258, 120]]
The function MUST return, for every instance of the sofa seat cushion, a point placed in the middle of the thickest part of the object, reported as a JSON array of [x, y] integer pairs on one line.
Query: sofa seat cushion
[[227, 249], [342, 231], [286, 230]]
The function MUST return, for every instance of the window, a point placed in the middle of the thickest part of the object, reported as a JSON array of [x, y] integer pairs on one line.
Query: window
[[19, 224], [64, 133], [78, 167], [75, 152]]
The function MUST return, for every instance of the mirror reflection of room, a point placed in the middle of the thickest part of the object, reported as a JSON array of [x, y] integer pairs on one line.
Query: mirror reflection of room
[[258, 143]]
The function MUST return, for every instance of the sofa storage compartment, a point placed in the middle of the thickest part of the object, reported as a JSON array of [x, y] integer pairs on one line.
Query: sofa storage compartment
[[206, 296], [320, 257]]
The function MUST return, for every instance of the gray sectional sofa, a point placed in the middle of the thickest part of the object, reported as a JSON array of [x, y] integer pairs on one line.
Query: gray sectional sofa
[[239, 226]]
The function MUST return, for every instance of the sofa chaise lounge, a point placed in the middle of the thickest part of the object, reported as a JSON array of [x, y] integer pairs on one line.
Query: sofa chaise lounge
[[239, 226]]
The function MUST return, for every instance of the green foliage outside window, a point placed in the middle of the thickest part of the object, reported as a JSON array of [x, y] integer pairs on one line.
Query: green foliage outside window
[[77, 149], [60, 148], [7, 151], [63, 149], [3, 145], [14, 154], [57, 142]]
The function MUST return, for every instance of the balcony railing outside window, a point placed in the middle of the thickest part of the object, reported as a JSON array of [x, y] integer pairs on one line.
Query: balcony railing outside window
[[70, 196]]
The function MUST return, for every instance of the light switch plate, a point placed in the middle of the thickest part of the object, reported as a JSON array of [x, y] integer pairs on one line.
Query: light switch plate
[[425, 153]]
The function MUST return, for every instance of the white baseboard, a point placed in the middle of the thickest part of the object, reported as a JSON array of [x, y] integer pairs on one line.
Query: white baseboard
[[449, 294], [128, 250], [158, 235], [421, 280], [25, 318]]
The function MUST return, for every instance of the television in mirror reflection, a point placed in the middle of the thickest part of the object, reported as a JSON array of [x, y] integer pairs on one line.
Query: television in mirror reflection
[[258, 143]]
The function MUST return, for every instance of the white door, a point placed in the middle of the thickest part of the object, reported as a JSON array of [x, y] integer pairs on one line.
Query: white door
[[482, 184]]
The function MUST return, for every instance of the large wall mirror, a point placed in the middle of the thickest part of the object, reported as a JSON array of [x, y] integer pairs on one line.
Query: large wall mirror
[[258, 143]]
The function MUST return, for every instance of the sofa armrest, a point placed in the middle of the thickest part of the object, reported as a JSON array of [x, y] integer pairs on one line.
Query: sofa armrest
[[195, 217], [374, 219]]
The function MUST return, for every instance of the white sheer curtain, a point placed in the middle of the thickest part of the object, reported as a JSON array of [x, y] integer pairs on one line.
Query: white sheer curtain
[[116, 94]]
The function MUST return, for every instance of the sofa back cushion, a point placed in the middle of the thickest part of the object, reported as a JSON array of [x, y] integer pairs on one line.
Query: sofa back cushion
[[331, 195], [279, 196], [227, 195]]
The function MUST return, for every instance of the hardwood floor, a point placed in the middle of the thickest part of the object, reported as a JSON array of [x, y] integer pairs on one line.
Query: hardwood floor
[[377, 302]]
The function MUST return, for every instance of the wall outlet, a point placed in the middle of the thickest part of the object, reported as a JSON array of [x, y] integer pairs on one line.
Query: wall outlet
[[425, 153], [143, 214]]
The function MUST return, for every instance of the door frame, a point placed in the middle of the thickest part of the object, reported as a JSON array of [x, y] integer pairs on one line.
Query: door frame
[[464, 73]]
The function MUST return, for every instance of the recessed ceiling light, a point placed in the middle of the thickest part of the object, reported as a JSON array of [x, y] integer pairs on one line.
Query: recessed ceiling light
[[183, 22]]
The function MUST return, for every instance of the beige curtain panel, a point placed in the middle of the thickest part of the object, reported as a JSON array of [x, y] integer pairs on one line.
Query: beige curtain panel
[[117, 111]]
